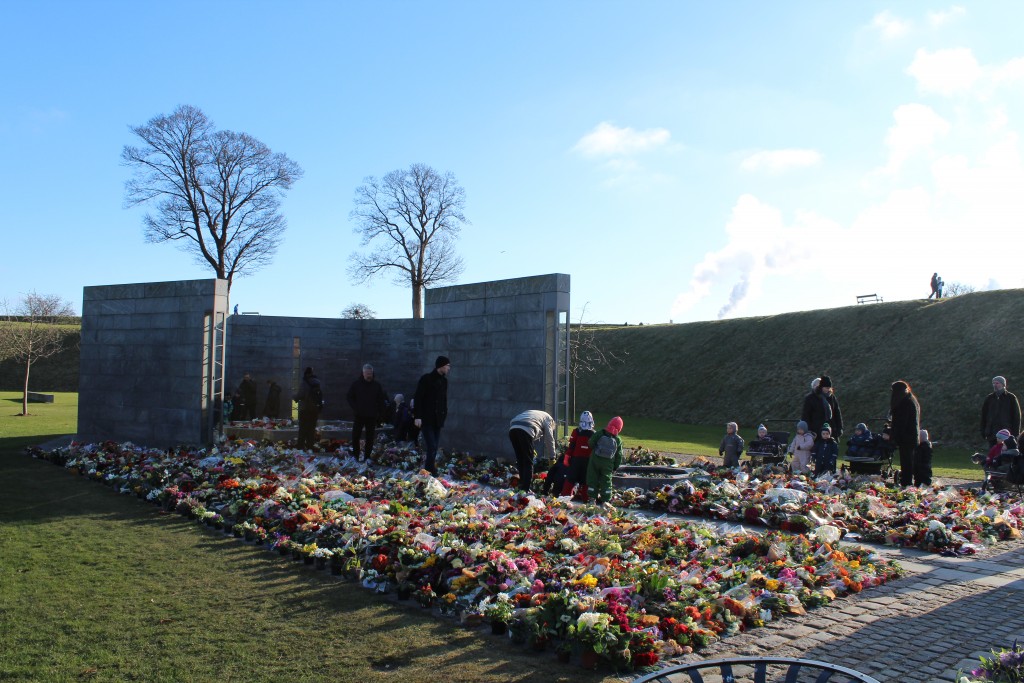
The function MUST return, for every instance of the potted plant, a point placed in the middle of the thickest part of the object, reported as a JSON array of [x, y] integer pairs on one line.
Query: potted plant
[[595, 634], [498, 612]]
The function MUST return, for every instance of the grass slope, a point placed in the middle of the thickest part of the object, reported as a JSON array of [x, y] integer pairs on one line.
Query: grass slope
[[753, 369]]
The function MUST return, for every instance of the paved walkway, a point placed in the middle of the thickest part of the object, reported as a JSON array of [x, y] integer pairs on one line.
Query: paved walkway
[[921, 628]]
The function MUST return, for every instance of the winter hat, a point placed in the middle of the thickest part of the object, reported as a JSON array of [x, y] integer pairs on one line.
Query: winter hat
[[861, 426], [399, 398], [761, 428], [586, 421], [826, 428], [308, 372], [826, 381], [735, 427], [801, 425], [441, 362], [815, 382], [614, 426], [924, 435], [1003, 434], [1000, 379]]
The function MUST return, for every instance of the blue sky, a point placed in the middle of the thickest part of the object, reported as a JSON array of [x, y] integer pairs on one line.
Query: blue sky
[[680, 160]]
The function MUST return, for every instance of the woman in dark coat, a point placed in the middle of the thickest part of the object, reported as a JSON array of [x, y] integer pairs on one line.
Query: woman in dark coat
[[905, 415]]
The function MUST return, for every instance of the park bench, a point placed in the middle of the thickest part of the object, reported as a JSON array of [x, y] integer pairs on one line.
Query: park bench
[[36, 397], [787, 669], [869, 299]]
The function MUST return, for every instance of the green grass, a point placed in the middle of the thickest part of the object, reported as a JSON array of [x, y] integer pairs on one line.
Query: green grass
[[97, 586], [44, 421]]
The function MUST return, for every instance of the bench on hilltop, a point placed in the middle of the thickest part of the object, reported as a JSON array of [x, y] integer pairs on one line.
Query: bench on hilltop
[[869, 299]]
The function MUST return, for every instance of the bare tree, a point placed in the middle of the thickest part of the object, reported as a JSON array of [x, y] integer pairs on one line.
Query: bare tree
[[586, 356], [412, 217], [955, 289], [215, 193], [32, 331], [359, 312]]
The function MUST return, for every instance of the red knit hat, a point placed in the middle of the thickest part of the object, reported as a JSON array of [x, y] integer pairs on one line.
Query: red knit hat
[[614, 425]]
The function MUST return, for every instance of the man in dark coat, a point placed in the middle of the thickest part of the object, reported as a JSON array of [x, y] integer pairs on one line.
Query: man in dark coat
[[272, 408], [430, 408], [247, 390], [367, 399], [1001, 410], [310, 399], [817, 410], [833, 403]]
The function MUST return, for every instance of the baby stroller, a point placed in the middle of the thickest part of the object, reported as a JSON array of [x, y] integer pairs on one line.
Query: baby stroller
[[770, 450], [1006, 473], [872, 455]]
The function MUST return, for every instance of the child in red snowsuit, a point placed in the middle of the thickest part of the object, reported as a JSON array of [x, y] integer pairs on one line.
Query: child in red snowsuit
[[577, 458]]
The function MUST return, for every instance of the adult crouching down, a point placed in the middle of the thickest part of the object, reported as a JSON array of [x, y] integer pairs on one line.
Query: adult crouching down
[[525, 428], [905, 419]]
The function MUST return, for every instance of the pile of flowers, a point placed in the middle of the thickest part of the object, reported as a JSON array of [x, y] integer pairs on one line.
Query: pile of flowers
[[1002, 666], [606, 582]]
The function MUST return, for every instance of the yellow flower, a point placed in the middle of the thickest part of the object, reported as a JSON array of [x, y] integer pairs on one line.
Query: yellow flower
[[772, 584], [855, 564]]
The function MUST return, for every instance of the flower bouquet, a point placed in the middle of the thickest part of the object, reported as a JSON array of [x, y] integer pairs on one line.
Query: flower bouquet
[[1002, 666]]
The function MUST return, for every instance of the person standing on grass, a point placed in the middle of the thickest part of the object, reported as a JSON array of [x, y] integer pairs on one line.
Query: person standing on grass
[[367, 399], [905, 417], [817, 410], [836, 421], [525, 428], [1001, 410], [605, 458], [430, 409]]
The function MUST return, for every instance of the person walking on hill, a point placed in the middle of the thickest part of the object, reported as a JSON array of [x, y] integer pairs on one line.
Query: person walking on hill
[[936, 284], [430, 408], [367, 399], [905, 418], [525, 428], [817, 410], [1001, 410]]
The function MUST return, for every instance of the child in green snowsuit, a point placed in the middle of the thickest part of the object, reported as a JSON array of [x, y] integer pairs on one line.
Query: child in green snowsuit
[[605, 458]]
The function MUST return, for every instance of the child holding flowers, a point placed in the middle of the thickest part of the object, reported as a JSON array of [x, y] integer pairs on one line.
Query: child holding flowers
[[605, 458]]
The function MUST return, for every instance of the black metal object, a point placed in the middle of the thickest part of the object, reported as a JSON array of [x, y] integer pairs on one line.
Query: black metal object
[[723, 668]]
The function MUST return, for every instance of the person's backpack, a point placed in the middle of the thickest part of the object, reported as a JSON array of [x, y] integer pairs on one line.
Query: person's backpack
[[316, 396], [606, 446]]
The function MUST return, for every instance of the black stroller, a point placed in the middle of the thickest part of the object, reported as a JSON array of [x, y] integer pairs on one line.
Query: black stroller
[[872, 456], [771, 450], [1006, 473]]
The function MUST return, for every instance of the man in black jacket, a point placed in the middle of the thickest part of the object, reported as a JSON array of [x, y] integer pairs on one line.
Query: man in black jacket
[[833, 403], [430, 408], [1001, 410], [817, 410], [367, 399]]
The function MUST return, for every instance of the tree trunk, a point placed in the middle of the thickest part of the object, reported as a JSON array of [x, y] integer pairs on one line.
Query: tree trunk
[[417, 300], [24, 393]]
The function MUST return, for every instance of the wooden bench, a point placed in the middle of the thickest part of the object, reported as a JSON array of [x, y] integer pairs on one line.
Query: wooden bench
[[36, 397], [869, 299], [784, 668]]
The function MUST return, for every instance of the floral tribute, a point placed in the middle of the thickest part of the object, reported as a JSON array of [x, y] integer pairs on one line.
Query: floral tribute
[[1001, 666], [599, 581]]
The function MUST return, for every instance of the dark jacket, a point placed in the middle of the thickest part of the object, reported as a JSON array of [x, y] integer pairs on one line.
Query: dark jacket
[[825, 454], [906, 421], [431, 402], [367, 399], [817, 411], [1000, 411], [305, 399], [836, 423]]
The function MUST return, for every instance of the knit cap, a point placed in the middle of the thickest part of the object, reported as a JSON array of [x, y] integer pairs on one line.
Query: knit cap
[[614, 425], [586, 421], [1003, 434]]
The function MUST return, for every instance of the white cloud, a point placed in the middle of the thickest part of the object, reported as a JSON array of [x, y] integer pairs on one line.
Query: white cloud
[[942, 17], [945, 72], [760, 244], [916, 129], [609, 140], [889, 25], [778, 160]]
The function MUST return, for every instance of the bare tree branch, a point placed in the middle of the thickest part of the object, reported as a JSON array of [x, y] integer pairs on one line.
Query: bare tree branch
[[411, 217], [215, 192], [359, 312]]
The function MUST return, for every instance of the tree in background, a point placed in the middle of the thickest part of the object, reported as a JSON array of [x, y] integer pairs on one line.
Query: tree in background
[[586, 356], [955, 289], [359, 312], [411, 217], [215, 193], [31, 331]]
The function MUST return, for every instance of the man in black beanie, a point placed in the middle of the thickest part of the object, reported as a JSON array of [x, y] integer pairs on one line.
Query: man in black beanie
[[430, 408], [837, 415]]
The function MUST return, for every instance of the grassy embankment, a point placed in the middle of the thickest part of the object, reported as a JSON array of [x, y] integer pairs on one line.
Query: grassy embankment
[[755, 369]]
